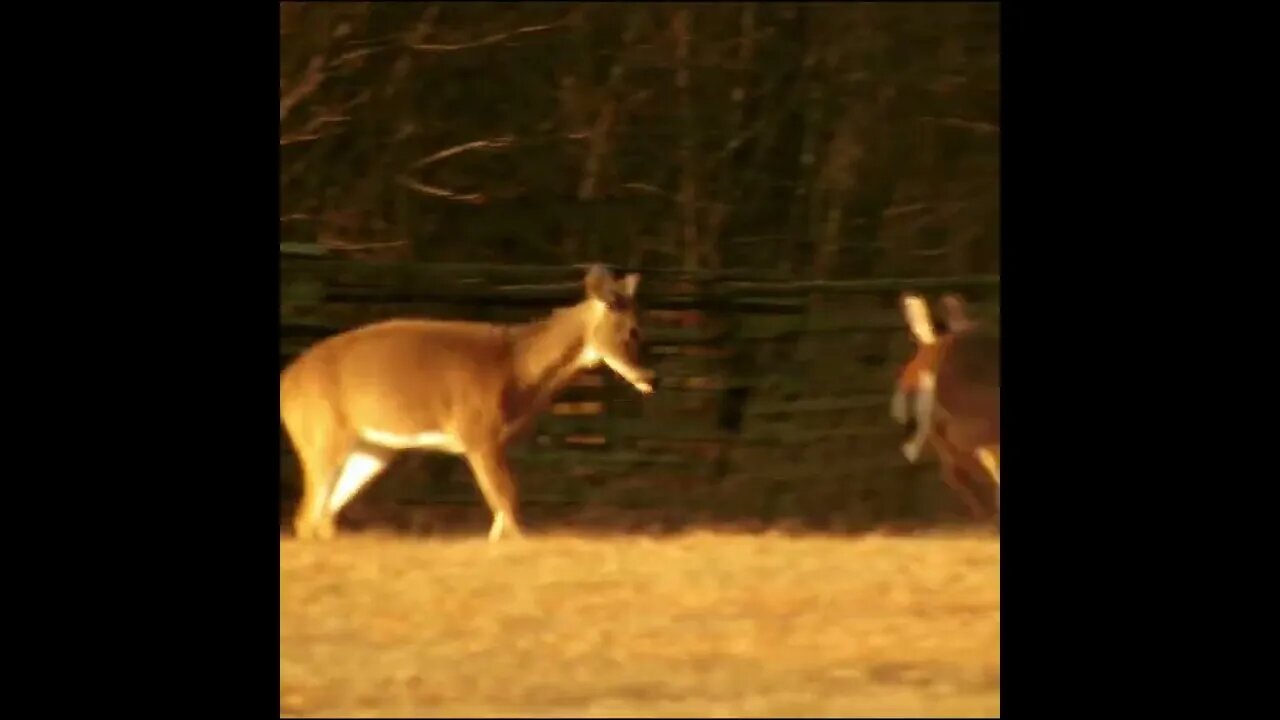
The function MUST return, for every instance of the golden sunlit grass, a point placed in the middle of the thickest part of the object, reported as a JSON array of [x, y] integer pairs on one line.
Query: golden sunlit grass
[[695, 625]]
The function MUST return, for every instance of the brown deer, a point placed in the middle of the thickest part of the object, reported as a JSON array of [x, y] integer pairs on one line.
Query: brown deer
[[948, 394], [352, 400]]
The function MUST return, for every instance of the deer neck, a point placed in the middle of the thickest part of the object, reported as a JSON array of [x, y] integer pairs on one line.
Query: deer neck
[[547, 353]]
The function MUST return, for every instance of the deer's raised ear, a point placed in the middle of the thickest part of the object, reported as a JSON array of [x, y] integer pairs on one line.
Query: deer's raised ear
[[599, 283], [916, 311], [629, 284], [955, 313]]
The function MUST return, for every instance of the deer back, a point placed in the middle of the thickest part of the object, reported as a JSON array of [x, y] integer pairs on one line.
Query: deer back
[[404, 377]]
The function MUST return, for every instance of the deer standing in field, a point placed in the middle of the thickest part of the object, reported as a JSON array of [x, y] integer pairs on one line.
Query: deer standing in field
[[354, 399], [948, 394]]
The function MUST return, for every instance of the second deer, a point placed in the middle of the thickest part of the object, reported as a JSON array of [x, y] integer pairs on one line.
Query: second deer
[[948, 394]]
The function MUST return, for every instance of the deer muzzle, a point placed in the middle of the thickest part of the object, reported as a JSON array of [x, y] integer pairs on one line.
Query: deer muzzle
[[639, 377]]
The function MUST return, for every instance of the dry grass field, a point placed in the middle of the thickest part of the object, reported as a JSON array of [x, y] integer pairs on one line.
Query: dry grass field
[[700, 624]]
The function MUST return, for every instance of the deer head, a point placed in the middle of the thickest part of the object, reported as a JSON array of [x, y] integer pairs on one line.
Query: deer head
[[955, 314], [613, 332]]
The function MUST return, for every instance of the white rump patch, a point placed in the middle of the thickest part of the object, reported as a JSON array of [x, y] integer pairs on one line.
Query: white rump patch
[[444, 442]]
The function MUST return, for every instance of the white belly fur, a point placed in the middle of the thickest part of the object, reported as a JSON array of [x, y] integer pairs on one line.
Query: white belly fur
[[443, 442]]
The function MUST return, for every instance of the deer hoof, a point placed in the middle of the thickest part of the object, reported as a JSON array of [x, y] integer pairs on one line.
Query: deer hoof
[[911, 451], [314, 530], [506, 536]]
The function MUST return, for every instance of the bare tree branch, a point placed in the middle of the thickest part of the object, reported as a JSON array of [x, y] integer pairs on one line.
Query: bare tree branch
[[341, 245], [357, 100], [647, 188], [975, 125], [491, 144], [356, 54], [902, 209], [490, 40], [311, 79], [474, 198], [312, 130], [294, 139]]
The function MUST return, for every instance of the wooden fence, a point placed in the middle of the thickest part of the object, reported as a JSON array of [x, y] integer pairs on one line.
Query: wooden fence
[[771, 403]]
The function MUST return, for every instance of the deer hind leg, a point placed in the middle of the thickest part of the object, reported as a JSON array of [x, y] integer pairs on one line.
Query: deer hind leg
[[494, 478], [957, 479], [989, 456], [319, 467], [321, 442]]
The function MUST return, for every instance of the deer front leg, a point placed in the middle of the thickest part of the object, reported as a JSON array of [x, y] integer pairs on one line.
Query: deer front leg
[[489, 465], [898, 407], [956, 478], [990, 458], [925, 398]]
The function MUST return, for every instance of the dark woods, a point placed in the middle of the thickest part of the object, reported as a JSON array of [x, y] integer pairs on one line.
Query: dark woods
[[813, 140]]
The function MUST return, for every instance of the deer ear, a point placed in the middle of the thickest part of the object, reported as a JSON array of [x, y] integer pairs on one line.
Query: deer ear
[[599, 283], [955, 313], [629, 284], [916, 311]]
